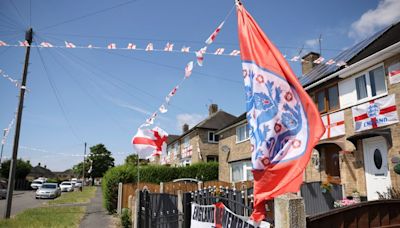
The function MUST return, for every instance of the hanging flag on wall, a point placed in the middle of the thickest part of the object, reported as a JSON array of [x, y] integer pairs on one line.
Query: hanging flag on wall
[[285, 124], [334, 125], [148, 142], [375, 113]]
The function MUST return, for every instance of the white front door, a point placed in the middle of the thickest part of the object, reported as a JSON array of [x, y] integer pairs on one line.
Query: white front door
[[376, 166]]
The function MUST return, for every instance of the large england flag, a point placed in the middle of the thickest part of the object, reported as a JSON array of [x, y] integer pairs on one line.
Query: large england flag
[[148, 142], [284, 123]]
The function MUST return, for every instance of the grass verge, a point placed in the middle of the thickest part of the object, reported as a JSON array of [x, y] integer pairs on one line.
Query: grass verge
[[75, 197], [46, 217]]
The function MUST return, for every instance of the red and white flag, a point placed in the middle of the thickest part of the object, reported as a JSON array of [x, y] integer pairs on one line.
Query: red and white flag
[[131, 46], [330, 62], [2, 43], [169, 47], [295, 58], [148, 142], [375, 113], [149, 47], [341, 63], [188, 69], [90, 46], [319, 60], [200, 57], [46, 44], [112, 46], [171, 94], [284, 123], [163, 109], [235, 53], [219, 51], [214, 34], [69, 45], [23, 43], [334, 125], [185, 49]]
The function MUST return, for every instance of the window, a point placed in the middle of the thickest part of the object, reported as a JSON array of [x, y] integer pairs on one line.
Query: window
[[186, 142], [241, 171], [242, 133], [371, 84], [212, 137], [212, 158], [327, 99]]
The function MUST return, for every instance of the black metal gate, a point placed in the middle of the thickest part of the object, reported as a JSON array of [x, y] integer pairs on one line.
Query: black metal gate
[[158, 210]]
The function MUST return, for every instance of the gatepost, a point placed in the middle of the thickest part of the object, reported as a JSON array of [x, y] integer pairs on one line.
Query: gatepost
[[289, 211]]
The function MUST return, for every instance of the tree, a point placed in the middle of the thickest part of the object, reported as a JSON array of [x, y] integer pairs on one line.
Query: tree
[[22, 170], [133, 160], [78, 168], [101, 160]]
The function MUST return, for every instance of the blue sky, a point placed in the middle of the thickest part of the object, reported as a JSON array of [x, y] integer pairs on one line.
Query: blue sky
[[102, 96]]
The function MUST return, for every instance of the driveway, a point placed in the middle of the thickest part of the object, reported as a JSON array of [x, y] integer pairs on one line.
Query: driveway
[[21, 200]]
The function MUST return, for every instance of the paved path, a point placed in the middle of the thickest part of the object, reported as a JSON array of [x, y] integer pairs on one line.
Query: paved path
[[96, 215], [22, 200]]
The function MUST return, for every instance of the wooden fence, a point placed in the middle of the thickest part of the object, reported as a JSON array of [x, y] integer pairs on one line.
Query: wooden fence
[[380, 213]]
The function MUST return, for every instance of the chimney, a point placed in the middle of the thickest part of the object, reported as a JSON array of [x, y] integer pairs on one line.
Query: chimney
[[307, 62], [213, 108], [38, 164], [45, 166], [185, 128]]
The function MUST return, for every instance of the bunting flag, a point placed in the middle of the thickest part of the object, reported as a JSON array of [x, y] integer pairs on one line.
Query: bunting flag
[[90, 46], [69, 45], [319, 60], [169, 47], [7, 131], [112, 46], [199, 57], [214, 34], [284, 123], [23, 43], [330, 62], [149, 47], [219, 51], [148, 142], [2, 43], [185, 49], [46, 44], [341, 63], [235, 53], [131, 46], [163, 109], [14, 81], [295, 58], [188, 69]]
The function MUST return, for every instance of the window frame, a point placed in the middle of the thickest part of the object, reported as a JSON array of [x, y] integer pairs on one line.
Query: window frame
[[245, 166], [367, 75], [246, 133], [215, 138], [326, 98]]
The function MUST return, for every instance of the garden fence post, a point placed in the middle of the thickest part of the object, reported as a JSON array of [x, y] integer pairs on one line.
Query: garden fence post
[[289, 211], [180, 209], [130, 202], [119, 203], [136, 209], [200, 185], [161, 187]]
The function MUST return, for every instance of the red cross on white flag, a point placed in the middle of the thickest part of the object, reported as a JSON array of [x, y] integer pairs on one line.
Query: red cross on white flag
[[23, 43], [188, 69], [169, 47], [330, 62], [112, 46], [185, 49], [235, 53], [219, 51], [319, 60], [214, 34], [2, 43], [69, 45], [149, 47], [131, 46], [334, 125]]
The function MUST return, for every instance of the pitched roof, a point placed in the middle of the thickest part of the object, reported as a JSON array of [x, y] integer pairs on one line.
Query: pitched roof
[[41, 171], [347, 56], [215, 121]]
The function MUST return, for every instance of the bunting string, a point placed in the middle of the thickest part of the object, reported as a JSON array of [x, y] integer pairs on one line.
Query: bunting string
[[7, 131], [169, 47], [9, 78]]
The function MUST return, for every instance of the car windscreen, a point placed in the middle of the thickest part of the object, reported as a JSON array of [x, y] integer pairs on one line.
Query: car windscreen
[[49, 186], [67, 183], [37, 182]]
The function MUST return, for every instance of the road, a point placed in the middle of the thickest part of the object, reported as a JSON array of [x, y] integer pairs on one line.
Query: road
[[22, 200], [96, 215]]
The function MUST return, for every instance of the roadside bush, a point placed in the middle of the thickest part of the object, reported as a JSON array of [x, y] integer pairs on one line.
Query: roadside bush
[[52, 180], [153, 174], [126, 218]]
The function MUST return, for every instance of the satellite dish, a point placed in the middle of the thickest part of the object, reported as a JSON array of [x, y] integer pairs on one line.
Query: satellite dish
[[225, 148]]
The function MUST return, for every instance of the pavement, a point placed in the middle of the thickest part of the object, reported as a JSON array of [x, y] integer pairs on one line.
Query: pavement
[[96, 215], [22, 200]]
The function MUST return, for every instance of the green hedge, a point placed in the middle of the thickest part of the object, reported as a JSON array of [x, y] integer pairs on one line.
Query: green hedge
[[152, 174]]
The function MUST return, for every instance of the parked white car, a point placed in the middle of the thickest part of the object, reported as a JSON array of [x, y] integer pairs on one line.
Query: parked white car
[[78, 184], [66, 186], [37, 183], [48, 191]]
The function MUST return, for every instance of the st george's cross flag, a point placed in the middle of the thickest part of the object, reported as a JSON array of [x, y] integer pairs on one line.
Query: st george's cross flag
[[148, 142], [284, 123]]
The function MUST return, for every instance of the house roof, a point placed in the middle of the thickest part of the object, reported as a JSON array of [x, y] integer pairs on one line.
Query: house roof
[[41, 171], [353, 54], [233, 123], [215, 121]]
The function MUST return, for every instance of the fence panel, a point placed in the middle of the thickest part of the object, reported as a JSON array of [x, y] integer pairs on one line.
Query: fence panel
[[318, 202], [174, 187]]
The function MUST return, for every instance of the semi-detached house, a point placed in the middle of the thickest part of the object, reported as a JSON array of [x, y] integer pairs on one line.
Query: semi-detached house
[[358, 97]]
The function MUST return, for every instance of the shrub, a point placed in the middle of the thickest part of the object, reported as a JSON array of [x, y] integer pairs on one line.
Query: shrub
[[151, 173], [126, 218]]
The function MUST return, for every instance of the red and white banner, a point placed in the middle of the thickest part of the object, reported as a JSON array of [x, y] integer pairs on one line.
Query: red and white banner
[[376, 113], [394, 73], [148, 142], [334, 125], [187, 151]]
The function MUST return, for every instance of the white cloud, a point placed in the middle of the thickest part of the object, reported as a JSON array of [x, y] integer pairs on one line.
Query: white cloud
[[190, 119], [128, 106], [387, 12]]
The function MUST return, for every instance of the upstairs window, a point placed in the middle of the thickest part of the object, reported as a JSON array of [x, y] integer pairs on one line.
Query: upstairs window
[[186, 142], [212, 137], [242, 133], [327, 99], [371, 84]]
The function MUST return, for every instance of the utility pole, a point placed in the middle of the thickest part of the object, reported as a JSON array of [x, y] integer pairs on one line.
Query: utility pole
[[2, 144], [83, 167], [13, 165]]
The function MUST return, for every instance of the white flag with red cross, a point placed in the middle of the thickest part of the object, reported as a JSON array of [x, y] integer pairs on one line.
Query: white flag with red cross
[[334, 125], [148, 142], [375, 113]]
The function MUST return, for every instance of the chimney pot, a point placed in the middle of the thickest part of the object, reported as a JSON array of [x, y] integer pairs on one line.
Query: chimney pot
[[307, 63], [185, 128], [213, 108]]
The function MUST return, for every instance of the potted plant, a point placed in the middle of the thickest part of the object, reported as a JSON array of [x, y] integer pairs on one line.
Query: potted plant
[[356, 196], [326, 187]]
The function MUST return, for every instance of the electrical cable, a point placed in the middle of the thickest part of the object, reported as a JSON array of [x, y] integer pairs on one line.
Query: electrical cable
[[16, 10]]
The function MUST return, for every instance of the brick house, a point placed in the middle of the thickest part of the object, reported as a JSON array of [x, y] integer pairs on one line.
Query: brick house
[[199, 143], [359, 104]]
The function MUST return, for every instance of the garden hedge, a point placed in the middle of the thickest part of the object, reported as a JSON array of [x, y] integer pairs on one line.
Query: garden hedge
[[153, 174]]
